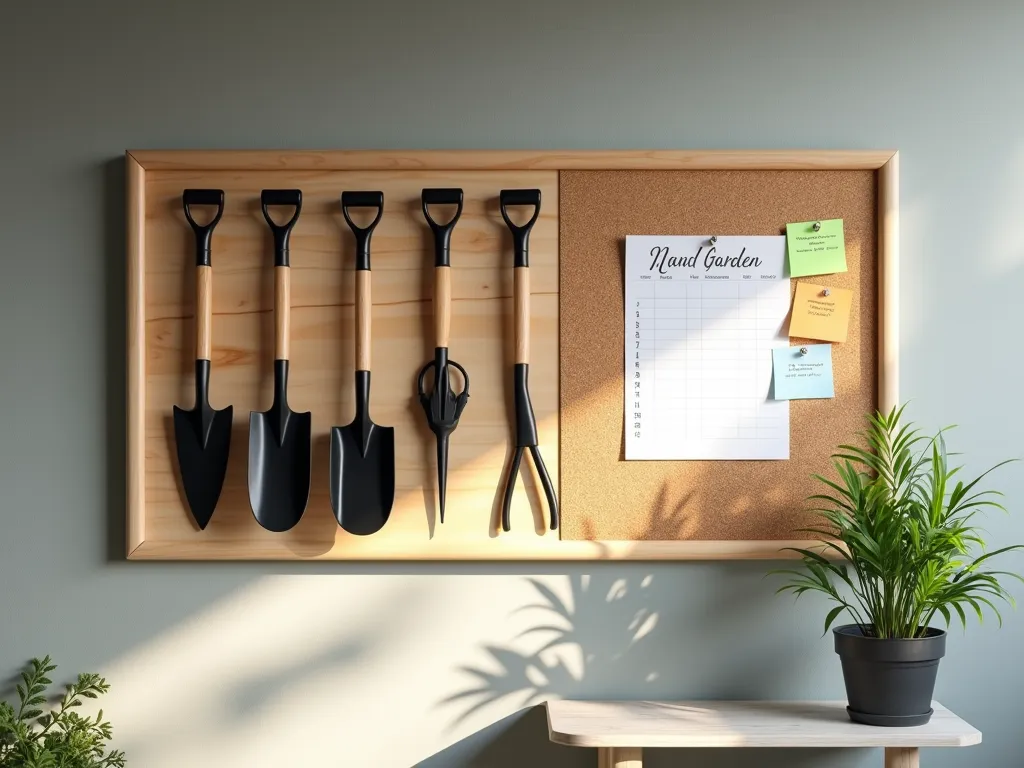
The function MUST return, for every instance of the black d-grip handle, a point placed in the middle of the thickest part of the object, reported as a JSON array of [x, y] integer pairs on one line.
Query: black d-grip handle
[[362, 200], [204, 232], [520, 197], [520, 234], [203, 197], [269, 197], [443, 196], [442, 232]]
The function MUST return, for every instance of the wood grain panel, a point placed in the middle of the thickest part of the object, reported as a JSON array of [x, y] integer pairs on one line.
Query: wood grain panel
[[506, 160], [889, 284], [135, 351], [322, 340]]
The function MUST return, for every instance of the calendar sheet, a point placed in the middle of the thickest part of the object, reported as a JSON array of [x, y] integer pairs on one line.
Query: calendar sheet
[[701, 321]]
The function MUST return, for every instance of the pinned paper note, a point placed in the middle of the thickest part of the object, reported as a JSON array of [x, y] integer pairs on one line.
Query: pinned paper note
[[802, 373], [820, 312], [816, 247]]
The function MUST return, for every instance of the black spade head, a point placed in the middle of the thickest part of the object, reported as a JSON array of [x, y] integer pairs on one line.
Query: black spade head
[[279, 460], [203, 440], [362, 477], [362, 468]]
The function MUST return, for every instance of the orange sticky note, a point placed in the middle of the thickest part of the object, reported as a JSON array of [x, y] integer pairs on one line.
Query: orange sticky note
[[820, 312]]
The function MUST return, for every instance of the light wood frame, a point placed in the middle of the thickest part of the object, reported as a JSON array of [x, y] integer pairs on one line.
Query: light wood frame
[[885, 163]]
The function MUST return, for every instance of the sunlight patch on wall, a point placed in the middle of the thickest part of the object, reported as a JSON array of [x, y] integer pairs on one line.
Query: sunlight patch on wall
[[327, 669], [1001, 246]]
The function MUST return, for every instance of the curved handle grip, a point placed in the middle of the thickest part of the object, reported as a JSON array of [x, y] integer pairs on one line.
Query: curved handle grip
[[442, 232], [520, 234], [520, 197], [442, 196], [362, 234], [281, 197], [204, 232], [362, 200], [282, 232]]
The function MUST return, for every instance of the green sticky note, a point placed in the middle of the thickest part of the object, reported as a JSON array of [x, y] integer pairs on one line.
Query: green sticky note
[[816, 253]]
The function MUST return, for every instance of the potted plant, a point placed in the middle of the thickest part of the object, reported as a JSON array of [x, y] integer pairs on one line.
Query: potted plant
[[60, 738], [900, 548]]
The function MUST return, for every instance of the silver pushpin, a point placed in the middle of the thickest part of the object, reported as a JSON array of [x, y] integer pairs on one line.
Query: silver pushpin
[[826, 292], [803, 350], [714, 239], [816, 226]]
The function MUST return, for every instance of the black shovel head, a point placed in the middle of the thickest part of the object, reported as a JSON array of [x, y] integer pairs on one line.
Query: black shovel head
[[279, 448], [202, 462], [362, 476], [362, 468]]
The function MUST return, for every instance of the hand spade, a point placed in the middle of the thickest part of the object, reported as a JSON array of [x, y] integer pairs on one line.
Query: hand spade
[[279, 439], [362, 453], [202, 435]]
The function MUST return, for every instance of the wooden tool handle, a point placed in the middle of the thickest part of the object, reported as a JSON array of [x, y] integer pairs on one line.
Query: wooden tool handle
[[522, 313], [204, 312], [364, 308], [282, 311], [442, 305]]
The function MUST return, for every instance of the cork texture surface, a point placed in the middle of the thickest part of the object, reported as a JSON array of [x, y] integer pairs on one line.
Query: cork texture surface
[[605, 497]]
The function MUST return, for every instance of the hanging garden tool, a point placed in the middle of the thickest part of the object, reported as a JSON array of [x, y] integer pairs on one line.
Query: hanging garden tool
[[362, 454], [526, 424], [442, 406], [279, 440], [203, 435]]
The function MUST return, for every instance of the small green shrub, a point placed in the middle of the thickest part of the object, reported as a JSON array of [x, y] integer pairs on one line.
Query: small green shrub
[[59, 738], [903, 530]]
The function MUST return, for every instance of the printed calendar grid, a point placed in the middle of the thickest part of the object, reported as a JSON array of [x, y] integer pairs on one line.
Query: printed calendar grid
[[699, 355]]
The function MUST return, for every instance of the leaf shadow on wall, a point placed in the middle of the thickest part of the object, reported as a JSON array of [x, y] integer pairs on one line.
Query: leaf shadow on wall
[[629, 632], [616, 652], [623, 613]]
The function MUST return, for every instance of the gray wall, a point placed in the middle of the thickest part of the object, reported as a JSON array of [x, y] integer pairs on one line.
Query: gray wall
[[317, 664]]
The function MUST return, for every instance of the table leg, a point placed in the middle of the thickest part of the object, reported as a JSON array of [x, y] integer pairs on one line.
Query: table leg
[[902, 757], [619, 757]]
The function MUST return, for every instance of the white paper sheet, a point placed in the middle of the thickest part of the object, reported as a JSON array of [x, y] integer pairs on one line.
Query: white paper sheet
[[701, 322]]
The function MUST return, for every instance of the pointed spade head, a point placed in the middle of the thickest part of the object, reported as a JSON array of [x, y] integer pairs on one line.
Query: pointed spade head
[[203, 440]]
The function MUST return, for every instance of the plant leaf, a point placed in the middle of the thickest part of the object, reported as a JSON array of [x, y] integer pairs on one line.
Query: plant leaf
[[832, 617]]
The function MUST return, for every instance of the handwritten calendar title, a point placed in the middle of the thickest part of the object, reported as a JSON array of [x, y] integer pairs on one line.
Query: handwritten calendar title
[[709, 258]]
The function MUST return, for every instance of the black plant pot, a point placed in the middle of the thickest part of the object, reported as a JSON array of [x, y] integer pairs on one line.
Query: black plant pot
[[889, 682]]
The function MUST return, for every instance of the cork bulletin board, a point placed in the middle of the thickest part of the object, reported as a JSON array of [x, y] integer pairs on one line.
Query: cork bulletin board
[[605, 497], [610, 508]]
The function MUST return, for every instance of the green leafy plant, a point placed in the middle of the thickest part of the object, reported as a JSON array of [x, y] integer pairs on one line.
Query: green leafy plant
[[900, 527], [60, 738]]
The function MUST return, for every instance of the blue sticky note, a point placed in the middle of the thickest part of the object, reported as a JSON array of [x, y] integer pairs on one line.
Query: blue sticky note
[[802, 373]]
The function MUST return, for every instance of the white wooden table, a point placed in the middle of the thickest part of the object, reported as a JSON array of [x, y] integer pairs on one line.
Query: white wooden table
[[621, 729]]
